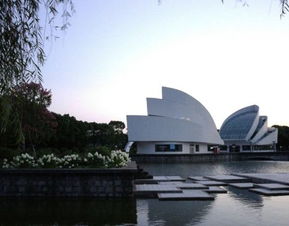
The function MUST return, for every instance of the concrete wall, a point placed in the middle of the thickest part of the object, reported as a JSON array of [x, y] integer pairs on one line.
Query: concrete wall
[[67, 183], [191, 158]]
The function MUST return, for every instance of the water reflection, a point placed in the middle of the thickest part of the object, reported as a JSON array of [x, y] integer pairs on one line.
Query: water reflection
[[215, 168], [67, 212], [155, 212], [246, 197]]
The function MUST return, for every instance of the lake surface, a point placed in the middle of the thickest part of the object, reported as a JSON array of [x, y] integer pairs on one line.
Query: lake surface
[[237, 207]]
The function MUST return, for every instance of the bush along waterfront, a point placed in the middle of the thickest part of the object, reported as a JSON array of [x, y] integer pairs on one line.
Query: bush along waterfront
[[114, 159]]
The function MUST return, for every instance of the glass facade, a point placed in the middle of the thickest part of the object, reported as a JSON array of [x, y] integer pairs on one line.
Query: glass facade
[[237, 128], [168, 147], [246, 148]]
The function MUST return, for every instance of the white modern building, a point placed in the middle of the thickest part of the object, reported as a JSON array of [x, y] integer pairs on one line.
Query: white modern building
[[246, 131], [175, 124]]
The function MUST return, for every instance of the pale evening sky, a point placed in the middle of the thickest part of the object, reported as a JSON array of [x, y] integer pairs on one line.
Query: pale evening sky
[[118, 52]]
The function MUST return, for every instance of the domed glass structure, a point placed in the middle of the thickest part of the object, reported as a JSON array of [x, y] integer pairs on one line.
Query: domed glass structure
[[245, 130]]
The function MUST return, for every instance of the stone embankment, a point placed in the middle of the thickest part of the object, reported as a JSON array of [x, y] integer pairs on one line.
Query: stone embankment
[[113, 182], [191, 158]]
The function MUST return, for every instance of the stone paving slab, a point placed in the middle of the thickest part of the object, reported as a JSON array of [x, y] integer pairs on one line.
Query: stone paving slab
[[197, 178], [267, 192], [281, 178], [242, 185], [168, 178], [212, 183], [152, 188], [229, 178], [186, 195], [273, 186], [145, 181], [215, 190], [183, 185]]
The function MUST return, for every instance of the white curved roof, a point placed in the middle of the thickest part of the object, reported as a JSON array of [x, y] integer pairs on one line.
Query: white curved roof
[[246, 125], [175, 117]]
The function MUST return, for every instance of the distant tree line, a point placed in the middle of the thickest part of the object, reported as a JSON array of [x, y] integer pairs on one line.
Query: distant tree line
[[283, 138], [27, 125]]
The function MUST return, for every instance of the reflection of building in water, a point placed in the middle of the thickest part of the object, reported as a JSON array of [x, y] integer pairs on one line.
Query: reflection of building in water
[[246, 131], [156, 212], [176, 124], [246, 197]]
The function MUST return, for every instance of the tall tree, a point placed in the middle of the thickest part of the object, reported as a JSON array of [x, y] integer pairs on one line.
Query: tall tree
[[29, 120], [22, 38]]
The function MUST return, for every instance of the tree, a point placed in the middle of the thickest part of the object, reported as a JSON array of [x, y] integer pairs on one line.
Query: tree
[[117, 126], [283, 138], [29, 120], [22, 38]]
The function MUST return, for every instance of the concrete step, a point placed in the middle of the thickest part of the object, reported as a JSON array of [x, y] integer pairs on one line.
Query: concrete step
[[273, 186], [242, 185], [215, 189], [197, 178], [145, 181], [151, 190], [212, 183], [267, 192], [183, 185], [168, 178], [186, 195], [229, 178]]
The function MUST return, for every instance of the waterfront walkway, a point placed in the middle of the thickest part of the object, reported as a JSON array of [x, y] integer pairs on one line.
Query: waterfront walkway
[[206, 187]]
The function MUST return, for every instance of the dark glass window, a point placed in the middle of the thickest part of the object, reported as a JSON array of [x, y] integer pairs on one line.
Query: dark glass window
[[168, 147], [234, 148], [197, 148], [223, 147], [246, 148], [263, 147]]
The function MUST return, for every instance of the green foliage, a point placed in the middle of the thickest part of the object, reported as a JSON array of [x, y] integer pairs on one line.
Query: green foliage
[[27, 122], [104, 151], [283, 138], [22, 38]]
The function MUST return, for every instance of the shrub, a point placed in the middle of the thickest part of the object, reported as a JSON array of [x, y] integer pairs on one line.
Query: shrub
[[89, 160], [48, 161], [117, 159], [20, 161]]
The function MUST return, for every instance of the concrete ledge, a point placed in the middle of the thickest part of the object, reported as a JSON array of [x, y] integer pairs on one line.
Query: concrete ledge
[[113, 182], [209, 157]]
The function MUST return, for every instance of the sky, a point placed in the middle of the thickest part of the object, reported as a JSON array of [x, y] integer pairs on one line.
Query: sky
[[117, 53]]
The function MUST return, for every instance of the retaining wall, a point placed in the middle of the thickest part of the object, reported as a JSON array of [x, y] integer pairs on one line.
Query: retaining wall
[[68, 182], [190, 158]]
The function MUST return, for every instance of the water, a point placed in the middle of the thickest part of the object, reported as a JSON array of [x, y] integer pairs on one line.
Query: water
[[237, 207]]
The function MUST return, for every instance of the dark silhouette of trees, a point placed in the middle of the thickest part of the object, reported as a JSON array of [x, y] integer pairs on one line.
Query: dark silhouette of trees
[[28, 121], [283, 138]]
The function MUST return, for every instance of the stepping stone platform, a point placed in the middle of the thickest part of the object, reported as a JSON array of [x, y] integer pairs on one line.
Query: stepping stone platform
[[229, 178], [267, 192], [156, 188], [212, 183], [145, 181], [281, 178], [215, 190], [168, 178], [242, 185], [183, 185], [197, 178], [151, 190], [273, 186], [186, 195]]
